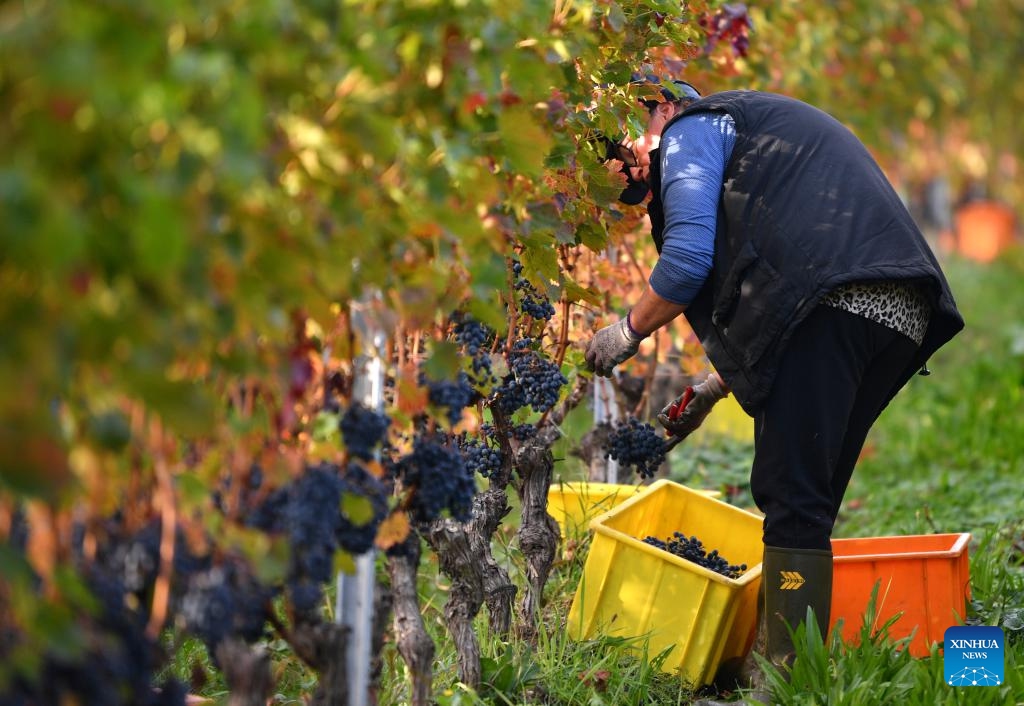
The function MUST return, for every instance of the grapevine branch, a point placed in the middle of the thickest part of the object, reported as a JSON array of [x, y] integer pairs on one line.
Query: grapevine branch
[[168, 519], [635, 264], [563, 340], [648, 378], [563, 337]]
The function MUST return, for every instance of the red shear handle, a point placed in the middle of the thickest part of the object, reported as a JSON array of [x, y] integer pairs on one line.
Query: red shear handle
[[676, 409]]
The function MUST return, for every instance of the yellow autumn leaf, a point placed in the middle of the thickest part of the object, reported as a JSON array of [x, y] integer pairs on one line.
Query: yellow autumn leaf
[[393, 530]]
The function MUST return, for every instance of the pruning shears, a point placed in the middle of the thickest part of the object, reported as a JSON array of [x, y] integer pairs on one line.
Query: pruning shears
[[673, 413]]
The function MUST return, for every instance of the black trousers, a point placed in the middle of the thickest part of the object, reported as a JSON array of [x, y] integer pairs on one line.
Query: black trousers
[[834, 380]]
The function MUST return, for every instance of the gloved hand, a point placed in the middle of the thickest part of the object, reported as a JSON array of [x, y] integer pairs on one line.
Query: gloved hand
[[688, 411], [610, 346]]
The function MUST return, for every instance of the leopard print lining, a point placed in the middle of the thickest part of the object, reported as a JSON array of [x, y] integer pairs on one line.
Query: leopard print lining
[[898, 305]]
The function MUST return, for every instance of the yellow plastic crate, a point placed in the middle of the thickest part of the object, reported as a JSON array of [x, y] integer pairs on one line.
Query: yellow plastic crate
[[575, 504], [632, 589]]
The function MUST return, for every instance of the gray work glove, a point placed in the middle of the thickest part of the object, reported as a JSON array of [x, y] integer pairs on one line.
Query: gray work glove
[[687, 412], [610, 346]]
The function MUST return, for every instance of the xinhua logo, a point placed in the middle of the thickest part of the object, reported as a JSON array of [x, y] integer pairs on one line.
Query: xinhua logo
[[973, 655]]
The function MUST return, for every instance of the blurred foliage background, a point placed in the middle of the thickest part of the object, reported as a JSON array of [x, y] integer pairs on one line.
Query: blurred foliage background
[[193, 194], [179, 180], [930, 87]]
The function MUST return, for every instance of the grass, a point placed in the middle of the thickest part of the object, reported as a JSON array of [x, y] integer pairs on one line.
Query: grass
[[877, 669], [872, 671], [553, 669], [946, 456]]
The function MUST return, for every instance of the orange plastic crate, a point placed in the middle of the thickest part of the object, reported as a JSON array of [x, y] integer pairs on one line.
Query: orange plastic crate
[[925, 578]]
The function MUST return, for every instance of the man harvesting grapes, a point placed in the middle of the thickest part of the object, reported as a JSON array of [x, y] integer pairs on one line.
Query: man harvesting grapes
[[815, 297]]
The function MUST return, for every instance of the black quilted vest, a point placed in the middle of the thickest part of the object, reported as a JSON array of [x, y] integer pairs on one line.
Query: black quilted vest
[[804, 209]]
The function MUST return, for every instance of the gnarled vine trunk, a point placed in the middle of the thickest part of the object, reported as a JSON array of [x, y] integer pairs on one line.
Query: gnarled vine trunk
[[414, 644], [247, 672], [322, 647], [383, 601], [592, 451], [538, 532], [464, 555], [464, 549]]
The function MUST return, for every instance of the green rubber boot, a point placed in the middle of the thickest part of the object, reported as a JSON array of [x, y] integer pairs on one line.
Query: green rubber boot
[[791, 580]]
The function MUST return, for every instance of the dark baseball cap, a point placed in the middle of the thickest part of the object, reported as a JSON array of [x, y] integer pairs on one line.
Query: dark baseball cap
[[671, 89]]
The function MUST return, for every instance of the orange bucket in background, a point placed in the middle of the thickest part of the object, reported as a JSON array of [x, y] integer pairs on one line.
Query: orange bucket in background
[[923, 578], [984, 229]]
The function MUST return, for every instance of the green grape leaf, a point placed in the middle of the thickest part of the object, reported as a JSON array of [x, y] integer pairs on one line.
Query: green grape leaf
[[443, 361], [591, 237], [357, 508], [526, 143]]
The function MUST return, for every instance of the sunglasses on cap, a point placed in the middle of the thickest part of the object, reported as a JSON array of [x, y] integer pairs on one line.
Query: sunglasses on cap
[[621, 152]]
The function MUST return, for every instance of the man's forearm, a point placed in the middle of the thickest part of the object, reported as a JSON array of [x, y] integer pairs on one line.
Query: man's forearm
[[652, 312]]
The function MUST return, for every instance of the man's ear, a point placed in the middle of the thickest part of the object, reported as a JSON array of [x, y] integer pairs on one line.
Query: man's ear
[[665, 110]]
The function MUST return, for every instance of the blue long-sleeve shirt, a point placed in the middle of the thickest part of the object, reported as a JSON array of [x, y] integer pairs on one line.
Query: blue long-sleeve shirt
[[694, 152]]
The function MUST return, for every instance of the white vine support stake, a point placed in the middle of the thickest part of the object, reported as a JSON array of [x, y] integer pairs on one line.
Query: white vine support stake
[[606, 410], [606, 405], [354, 604]]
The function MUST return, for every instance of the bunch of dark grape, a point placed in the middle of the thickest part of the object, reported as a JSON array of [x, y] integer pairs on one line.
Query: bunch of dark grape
[[310, 512], [479, 455], [18, 530], [510, 396], [452, 395], [362, 429], [312, 521], [474, 338], [523, 432], [636, 444], [533, 304], [541, 378], [207, 608], [133, 560], [539, 308], [532, 381], [251, 482], [357, 537], [112, 661], [226, 601], [270, 513], [483, 373], [519, 432], [692, 549], [438, 478], [472, 335]]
